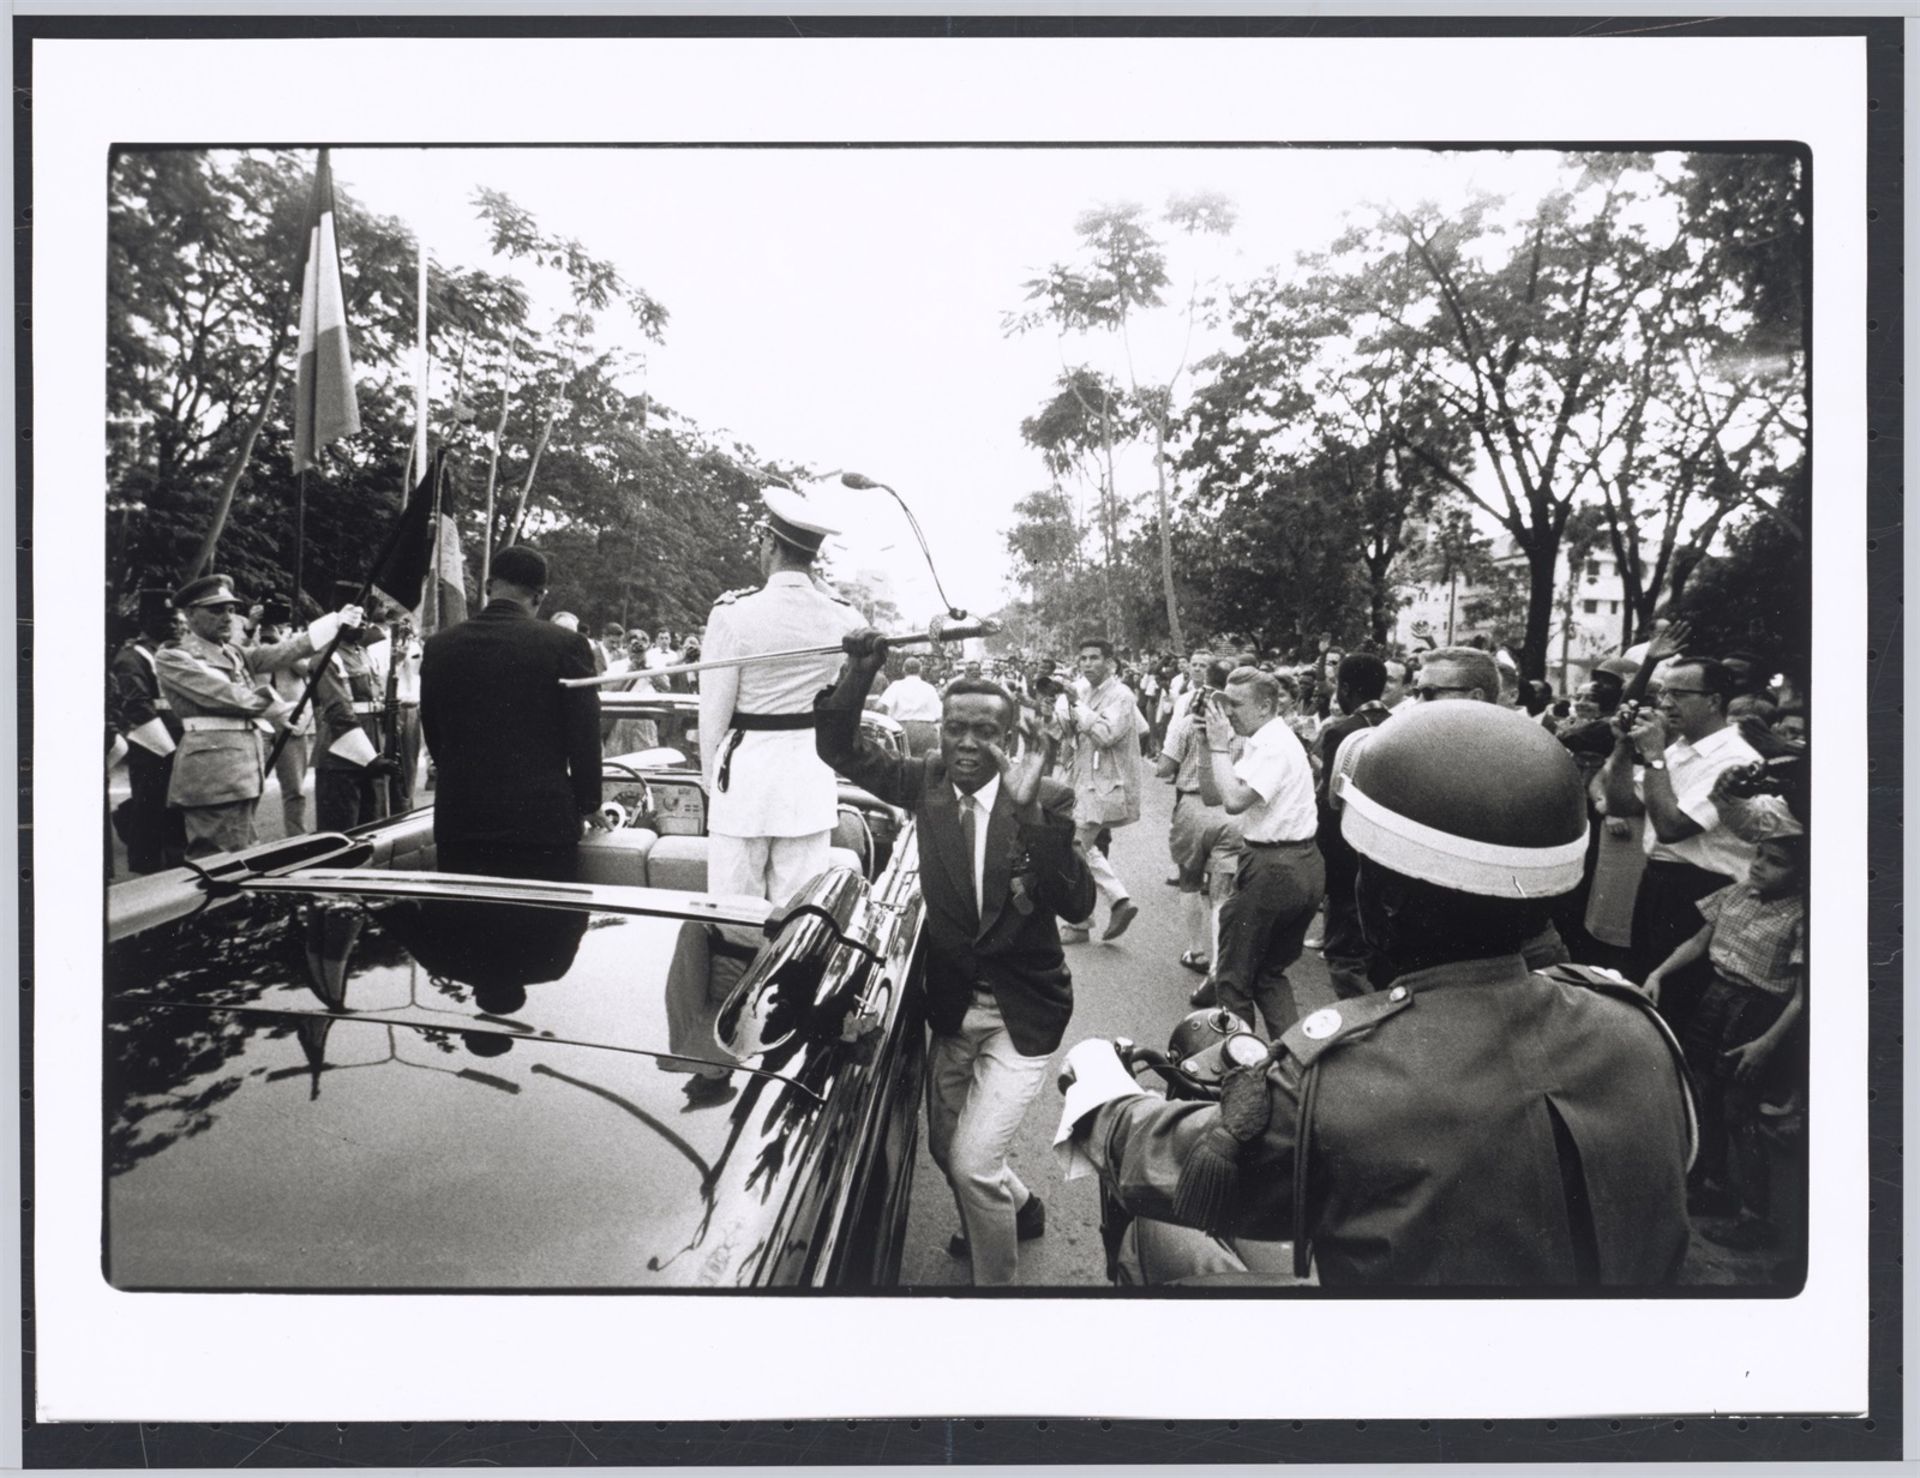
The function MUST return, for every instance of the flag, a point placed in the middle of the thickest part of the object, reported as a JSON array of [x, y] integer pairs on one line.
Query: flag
[[453, 572], [402, 573], [324, 407]]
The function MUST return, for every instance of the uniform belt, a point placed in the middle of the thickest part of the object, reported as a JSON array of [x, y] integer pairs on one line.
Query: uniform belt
[[742, 723], [369, 705], [1301, 842], [206, 723]]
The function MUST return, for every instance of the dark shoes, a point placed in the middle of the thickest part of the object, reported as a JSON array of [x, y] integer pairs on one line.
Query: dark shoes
[[1195, 963], [1029, 1221], [1204, 995], [1124, 913]]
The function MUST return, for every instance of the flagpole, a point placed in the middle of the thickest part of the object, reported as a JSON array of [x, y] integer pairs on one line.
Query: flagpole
[[320, 664]]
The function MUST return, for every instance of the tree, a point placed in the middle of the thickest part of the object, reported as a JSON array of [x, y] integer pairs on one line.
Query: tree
[[1122, 271], [1506, 324]]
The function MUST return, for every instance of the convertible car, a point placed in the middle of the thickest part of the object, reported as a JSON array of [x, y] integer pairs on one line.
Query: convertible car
[[329, 1066]]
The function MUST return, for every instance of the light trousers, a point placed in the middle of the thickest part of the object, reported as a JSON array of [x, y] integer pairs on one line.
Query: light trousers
[[773, 868], [1105, 879], [979, 1088]]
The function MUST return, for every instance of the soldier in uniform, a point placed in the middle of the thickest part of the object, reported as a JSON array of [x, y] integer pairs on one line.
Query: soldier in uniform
[[350, 762], [1475, 1124], [139, 712], [227, 709], [772, 801]]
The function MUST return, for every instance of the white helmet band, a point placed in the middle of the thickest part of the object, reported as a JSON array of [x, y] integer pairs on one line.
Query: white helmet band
[[1461, 863]]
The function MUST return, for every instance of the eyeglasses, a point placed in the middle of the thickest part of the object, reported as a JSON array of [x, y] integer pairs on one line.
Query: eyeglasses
[[1427, 692]]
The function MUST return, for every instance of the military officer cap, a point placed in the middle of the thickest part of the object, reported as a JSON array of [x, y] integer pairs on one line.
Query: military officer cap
[[794, 520], [208, 590], [1471, 797]]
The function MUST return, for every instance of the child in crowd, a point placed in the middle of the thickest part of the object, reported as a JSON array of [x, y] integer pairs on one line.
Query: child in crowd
[[1746, 1049]]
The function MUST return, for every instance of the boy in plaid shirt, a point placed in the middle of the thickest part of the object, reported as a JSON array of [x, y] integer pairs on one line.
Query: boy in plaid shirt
[[1742, 1044]]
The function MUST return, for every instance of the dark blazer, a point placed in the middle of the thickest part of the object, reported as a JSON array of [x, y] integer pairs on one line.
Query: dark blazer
[[997, 947], [518, 755]]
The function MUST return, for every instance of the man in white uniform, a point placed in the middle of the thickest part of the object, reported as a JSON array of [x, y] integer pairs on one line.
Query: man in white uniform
[[771, 802]]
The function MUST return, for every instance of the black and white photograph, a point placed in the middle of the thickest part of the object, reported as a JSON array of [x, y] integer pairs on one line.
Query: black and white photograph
[[990, 728]]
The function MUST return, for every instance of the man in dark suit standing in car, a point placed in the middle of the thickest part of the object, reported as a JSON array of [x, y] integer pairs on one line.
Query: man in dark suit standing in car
[[518, 755], [998, 870]]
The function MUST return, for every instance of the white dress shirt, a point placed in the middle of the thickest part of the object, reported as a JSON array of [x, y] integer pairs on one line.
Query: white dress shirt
[[984, 798], [1692, 770], [912, 700], [1274, 765]]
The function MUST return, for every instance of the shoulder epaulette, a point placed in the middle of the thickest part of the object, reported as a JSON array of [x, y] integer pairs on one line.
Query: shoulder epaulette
[[1611, 983], [727, 598], [1315, 1032]]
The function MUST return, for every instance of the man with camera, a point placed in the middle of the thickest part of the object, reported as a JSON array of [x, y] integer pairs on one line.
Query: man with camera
[[1666, 759]]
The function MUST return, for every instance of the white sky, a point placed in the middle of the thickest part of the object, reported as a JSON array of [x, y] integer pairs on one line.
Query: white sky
[[842, 307]]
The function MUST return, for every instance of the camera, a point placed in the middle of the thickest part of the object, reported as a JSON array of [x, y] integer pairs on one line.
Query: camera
[[1626, 716]]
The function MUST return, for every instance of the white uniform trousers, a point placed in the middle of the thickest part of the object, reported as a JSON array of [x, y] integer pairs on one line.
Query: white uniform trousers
[[773, 868]]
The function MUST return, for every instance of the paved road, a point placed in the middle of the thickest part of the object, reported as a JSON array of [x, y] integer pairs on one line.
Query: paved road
[[1134, 988]]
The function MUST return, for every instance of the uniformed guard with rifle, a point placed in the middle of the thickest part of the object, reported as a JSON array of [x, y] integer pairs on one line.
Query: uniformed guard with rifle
[[350, 763]]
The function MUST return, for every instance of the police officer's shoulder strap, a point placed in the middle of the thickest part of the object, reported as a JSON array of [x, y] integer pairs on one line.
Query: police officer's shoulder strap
[[1308, 1038], [727, 598], [1609, 983], [1305, 1042]]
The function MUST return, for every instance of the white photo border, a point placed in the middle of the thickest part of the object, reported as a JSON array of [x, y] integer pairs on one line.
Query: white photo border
[[106, 1355]]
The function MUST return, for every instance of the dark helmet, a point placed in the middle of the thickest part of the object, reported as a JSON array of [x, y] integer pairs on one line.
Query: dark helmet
[[1471, 798]]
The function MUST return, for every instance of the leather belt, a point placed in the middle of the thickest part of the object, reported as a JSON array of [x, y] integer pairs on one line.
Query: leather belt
[[202, 724], [749, 722], [744, 723]]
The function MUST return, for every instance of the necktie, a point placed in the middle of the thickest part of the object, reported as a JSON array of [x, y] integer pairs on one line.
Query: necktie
[[967, 808]]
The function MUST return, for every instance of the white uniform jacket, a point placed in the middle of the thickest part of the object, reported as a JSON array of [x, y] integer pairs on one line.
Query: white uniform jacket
[[774, 785]]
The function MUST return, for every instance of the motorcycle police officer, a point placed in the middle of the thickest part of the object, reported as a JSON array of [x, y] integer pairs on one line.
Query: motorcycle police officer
[[1475, 1124], [218, 690], [771, 802]]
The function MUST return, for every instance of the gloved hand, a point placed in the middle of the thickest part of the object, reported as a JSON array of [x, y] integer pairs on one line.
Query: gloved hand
[[325, 628], [1092, 1075]]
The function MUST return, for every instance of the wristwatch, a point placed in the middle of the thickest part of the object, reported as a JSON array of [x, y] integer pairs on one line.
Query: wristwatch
[[1659, 764]]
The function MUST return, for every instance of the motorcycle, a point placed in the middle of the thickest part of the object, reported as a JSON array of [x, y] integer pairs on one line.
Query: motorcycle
[[1203, 1048]]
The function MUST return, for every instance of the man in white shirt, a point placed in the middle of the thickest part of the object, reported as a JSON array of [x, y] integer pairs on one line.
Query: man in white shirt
[[1690, 852], [1282, 878], [914, 704]]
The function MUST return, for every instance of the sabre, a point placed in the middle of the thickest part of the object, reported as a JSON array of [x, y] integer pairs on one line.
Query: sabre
[[940, 629]]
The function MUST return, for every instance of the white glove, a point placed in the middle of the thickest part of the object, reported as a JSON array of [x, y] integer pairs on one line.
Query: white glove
[[1094, 1075], [355, 747], [117, 752], [322, 632], [153, 737]]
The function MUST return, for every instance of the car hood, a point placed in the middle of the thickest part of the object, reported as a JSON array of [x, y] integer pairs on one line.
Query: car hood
[[339, 1092]]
